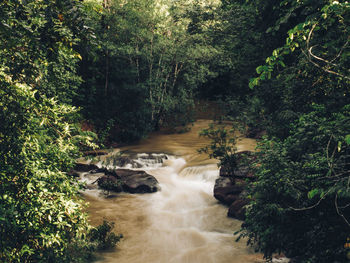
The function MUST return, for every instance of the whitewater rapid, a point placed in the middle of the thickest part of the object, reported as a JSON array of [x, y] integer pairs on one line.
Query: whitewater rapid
[[181, 223]]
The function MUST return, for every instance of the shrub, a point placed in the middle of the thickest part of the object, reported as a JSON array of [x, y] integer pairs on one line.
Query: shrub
[[41, 214], [300, 201]]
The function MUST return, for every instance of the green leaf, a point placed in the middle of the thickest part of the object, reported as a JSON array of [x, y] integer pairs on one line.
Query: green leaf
[[347, 139], [29, 187], [312, 193], [282, 63], [259, 69]]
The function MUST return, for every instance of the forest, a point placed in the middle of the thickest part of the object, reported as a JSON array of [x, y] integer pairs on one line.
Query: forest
[[77, 75]]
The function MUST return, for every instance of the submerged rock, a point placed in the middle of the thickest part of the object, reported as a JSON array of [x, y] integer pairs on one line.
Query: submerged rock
[[125, 180]]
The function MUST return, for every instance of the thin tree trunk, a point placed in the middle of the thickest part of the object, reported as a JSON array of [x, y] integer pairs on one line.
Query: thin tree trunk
[[106, 73], [105, 25]]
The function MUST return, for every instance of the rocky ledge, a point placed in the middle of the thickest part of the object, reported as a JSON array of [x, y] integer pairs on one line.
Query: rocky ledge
[[120, 180], [230, 187]]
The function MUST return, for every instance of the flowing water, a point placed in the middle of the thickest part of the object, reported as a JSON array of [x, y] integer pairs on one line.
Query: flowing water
[[182, 222]]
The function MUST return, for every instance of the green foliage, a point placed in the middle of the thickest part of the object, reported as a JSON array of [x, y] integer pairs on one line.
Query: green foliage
[[110, 185], [103, 236], [300, 199], [37, 40], [40, 213], [247, 113], [331, 57], [41, 216], [135, 66], [222, 145], [145, 65], [239, 46], [311, 68]]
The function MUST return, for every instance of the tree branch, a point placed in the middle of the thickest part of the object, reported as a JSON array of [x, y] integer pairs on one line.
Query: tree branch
[[338, 211]]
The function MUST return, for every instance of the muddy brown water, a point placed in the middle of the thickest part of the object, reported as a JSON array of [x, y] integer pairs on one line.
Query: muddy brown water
[[182, 223]]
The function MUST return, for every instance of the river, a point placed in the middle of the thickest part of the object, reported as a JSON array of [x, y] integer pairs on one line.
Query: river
[[182, 223]]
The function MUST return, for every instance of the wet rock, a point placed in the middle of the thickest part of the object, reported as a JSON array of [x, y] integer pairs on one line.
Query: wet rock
[[237, 209], [230, 187], [123, 161], [84, 167], [241, 171], [225, 171], [90, 187], [128, 181], [110, 183], [73, 173], [104, 170], [227, 191], [95, 153], [137, 181], [135, 160]]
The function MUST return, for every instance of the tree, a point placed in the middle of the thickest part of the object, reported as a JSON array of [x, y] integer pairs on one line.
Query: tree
[[300, 200], [155, 64], [37, 40], [40, 213]]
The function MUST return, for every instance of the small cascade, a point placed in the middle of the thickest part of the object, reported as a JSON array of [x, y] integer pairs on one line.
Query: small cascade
[[207, 173], [181, 223], [133, 161]]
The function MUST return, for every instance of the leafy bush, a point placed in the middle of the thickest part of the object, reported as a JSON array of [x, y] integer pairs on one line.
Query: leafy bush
[[300, 201], [103, 237], [222, 146], [40, 213]]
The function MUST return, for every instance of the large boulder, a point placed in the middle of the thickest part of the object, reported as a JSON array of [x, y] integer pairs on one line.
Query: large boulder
[[226, 190], [137, 181], [230, 187], [237, 209], [126, 180], [131, 181], [240, 172]]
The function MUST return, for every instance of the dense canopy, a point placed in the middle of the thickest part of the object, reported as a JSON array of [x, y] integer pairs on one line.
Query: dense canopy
[[122, 69]]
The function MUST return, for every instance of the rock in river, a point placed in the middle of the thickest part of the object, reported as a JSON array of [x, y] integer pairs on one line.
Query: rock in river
[[227, 191], [137, 181], [130, 181], [237, 209]]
